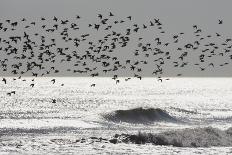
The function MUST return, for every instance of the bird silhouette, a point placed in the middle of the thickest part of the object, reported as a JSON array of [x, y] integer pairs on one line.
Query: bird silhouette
[[4, 80], [111, 14], [220, 21], [93, 85], [53, 81]]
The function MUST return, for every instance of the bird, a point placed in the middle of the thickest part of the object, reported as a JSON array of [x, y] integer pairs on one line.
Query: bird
[[13, 92], [55, 18], [4, 80], [93, 85], [78, 17], [117, 81], [160, 80], [53, 81], [111, 14], [220, 21], [100, 16]]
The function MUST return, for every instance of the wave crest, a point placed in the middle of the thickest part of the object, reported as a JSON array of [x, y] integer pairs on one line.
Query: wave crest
[[140, 115], [198, 137]]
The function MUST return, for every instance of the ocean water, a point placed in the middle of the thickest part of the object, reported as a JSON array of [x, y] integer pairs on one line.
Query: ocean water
[[30, 123]]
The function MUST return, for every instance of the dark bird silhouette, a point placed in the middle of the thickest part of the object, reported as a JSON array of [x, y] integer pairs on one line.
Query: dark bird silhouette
[[53, 81], [4, 80], [55, 18], [100, 16], [93, 85], [161, 80], [220, 21], [129, 17], [111, 14]]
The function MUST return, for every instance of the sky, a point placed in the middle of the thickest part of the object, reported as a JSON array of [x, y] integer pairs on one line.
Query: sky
[[176, 16]]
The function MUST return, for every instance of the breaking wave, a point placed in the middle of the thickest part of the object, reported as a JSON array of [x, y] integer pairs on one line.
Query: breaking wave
[[140, 115], [198, 137]]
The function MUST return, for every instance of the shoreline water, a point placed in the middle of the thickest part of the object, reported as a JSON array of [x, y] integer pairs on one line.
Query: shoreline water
[[33, 124]]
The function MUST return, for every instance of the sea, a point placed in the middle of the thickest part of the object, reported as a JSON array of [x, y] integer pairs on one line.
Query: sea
[[73, 118]]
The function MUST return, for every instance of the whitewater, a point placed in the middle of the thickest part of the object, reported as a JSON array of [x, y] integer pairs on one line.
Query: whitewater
[[176, 116]]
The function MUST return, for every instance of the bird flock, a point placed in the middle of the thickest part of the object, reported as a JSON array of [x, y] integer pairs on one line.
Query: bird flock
[[107, 46]]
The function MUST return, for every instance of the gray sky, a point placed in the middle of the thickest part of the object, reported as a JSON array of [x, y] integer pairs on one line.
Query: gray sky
[[176, 16]]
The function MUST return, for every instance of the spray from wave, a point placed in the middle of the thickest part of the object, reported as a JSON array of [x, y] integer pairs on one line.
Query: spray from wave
[[198, 137]]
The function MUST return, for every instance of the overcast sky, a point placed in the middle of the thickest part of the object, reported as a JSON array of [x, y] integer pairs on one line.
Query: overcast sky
[[176, 16]]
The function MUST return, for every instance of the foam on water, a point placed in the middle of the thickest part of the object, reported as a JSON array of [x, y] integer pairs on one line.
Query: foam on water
[[196, 137], [44, 123]]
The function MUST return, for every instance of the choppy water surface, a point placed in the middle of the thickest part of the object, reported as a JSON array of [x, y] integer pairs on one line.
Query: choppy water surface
[[30, 123]]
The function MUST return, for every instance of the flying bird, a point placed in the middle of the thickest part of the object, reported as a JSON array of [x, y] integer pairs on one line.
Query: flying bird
[[4, 80], [220, 21], [53, 81]]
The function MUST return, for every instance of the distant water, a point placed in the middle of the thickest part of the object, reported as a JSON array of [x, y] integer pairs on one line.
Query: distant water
[[31, 124]]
